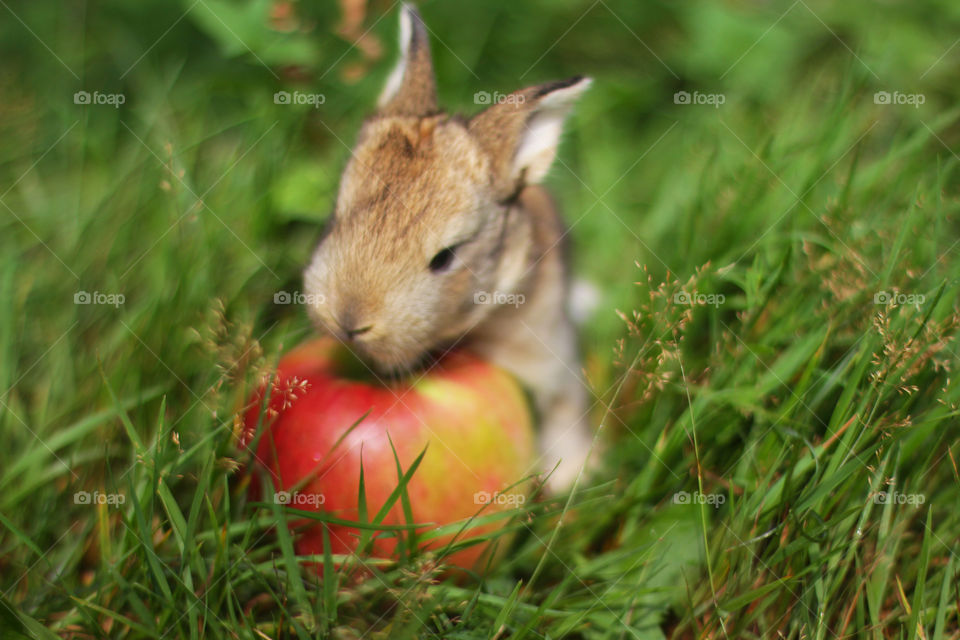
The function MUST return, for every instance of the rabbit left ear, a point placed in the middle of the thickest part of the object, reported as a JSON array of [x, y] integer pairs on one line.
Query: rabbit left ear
[[411, 89], [521, 132]]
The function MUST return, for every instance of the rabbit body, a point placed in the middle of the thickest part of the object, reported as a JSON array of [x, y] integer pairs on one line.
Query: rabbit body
[[441, 236]]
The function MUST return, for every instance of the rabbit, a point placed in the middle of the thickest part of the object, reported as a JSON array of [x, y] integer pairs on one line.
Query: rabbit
[[442, 236]]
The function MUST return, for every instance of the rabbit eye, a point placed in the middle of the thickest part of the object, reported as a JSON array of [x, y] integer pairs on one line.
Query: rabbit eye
[[442, 261]]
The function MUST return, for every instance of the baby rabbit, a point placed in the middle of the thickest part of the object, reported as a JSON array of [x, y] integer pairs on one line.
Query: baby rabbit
[[441, 236]]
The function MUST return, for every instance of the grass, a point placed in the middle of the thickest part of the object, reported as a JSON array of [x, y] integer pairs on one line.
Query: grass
[[780, 461]]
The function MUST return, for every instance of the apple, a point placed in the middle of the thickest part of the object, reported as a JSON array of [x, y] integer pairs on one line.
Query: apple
[[328, 414]]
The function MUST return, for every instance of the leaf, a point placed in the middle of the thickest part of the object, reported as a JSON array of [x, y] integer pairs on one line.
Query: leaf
[[16, 625]]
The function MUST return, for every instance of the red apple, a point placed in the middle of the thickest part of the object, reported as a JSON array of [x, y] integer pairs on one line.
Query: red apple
[[472, 418]]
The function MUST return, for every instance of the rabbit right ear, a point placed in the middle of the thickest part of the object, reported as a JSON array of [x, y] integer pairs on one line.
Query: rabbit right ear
[[411, 89], [520, 133]]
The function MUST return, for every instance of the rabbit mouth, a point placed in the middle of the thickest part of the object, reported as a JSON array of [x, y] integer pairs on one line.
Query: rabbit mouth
[[395, 361], [389, 358]]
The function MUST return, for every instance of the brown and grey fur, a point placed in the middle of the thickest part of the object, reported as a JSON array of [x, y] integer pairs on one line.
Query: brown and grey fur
[[421, 181]]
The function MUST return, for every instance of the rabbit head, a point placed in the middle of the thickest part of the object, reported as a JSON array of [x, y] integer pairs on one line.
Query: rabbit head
[[426, 214]]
